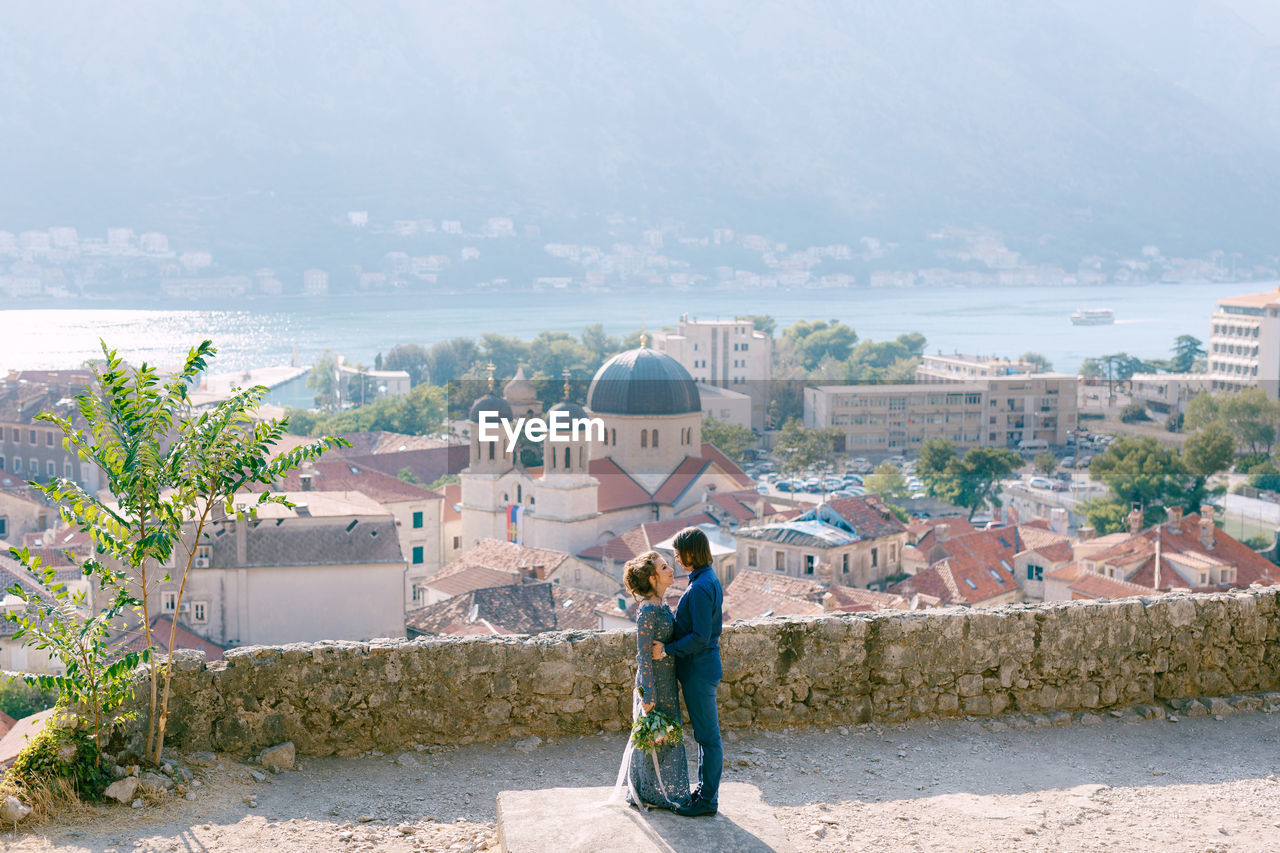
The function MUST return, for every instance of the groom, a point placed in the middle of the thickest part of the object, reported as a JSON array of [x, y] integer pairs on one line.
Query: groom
[[695, 645]]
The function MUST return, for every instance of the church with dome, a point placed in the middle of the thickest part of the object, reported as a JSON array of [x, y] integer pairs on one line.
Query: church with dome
[[652, 464]]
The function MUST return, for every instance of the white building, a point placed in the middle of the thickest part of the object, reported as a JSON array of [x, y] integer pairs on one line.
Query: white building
[[726, 353], [1244, 343], [315, 283]]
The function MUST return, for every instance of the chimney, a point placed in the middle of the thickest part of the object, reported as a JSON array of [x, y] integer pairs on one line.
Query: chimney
[[828, 602], [1084, 534], [1175, 519], [306, 476], [1058, 520], [942, 532], [1206, 527], [1135, 520]]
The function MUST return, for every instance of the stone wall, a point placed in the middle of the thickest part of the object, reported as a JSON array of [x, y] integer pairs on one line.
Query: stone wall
[[341, 697]]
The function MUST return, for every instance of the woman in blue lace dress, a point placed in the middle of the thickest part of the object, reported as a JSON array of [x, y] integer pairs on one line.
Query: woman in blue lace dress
[[663, 783]]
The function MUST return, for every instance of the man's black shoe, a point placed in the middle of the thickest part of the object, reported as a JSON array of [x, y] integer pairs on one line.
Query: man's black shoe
[[697, 808]]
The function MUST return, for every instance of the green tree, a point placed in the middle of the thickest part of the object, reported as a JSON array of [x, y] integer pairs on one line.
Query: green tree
[[936, 454], [1134, 412], [1251, 417], [887, 482], [1038, 362], [552, 353], [420, 412], [798, 447], [1045, 463], [974, 481], [1186, 349], [412, 359], [816, 340], [449, 360], [733, 440], [1140, 471], [1265, 476], [599, 345], [406, 475], [760, 322], [19, 699], [166, 467], [1208, 451], [1202, 410], [323, 379], [1105, 515]]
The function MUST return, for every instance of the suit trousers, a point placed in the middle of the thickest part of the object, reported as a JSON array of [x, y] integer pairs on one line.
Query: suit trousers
[[700, 702]]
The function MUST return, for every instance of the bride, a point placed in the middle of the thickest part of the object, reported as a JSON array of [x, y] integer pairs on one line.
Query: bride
[[658, 779]]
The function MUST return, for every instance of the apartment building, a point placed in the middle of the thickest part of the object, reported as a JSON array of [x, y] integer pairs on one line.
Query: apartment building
[[1244, 343], [1001, 411], [31, 449], [725, 353]]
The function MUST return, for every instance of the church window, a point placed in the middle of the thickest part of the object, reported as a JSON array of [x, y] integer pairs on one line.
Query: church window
[[491, 450], [567, 457], [780, 561], [655, 438], [751, 557], [519, 493], [644, 438]]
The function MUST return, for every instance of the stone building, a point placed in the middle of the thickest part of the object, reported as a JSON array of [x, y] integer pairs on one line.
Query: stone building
[[857, 538]]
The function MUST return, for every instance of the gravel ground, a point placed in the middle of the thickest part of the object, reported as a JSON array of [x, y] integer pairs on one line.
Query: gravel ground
[[1200, 784]]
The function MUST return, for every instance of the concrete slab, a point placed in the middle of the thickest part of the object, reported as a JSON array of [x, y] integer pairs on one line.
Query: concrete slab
[[571, 820]]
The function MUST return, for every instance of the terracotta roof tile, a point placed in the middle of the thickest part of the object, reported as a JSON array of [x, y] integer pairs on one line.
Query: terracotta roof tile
[[679, 481], [1091, 585], [712, 453], [525, 609], [617, 489], [348, 475]]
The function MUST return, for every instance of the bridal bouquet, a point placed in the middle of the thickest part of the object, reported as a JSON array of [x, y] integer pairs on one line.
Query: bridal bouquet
[[655, 730]]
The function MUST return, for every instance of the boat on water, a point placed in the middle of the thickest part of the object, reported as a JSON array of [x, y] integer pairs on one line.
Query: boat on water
[[1093, 317]]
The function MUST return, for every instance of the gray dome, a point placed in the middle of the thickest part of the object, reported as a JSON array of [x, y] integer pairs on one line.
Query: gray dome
[[490, 402], [575, 411], [520, 389], [643, 382]]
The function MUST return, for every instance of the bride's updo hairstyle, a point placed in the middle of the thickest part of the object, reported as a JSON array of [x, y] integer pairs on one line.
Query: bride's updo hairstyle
[[638, 574]]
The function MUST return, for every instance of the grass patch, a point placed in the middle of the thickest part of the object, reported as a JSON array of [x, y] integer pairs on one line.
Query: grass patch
[[58, 767]]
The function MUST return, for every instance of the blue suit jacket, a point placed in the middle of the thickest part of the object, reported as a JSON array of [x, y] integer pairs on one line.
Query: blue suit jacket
[[695, 642]]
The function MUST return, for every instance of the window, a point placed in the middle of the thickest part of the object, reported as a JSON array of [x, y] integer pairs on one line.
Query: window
[[199, 612], [457, 542], [168, 602], [417, 593], [809, 561], [51, 468], [752, 555], [33, 467], [417, 555], [17, 465], [567, 457], [1, 463], [1035, 573], [875, 557], [844, 564], [971, 584], [31, 436], [655, 438], [417, 520], [17, 435], [644, 438], [780, 561], [68, 471], [4, 526], [48, 438]]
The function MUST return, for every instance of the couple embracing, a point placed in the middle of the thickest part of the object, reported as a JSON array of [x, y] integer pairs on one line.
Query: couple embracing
[[681, 648]]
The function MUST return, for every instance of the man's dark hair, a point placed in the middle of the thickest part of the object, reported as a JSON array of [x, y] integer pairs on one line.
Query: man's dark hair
[[693, 548]]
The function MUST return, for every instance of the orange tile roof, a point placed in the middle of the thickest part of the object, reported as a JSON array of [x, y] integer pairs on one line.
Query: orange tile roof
[[712, 454], [753, 595], [1250, 566], [136, 640], [348, 475], [1092, 585], [617, 489], [679, 481]]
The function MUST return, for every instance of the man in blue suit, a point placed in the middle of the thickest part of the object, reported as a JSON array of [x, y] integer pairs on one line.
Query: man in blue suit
[[695, 645]]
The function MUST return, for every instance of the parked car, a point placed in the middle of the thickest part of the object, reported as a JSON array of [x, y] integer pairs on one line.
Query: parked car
[[1062, 475], [785, 486], [1041, 483], [1068, 462], [1057, 486], [852, 480]]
